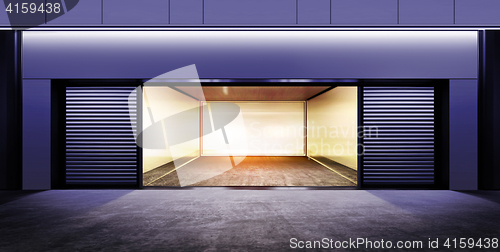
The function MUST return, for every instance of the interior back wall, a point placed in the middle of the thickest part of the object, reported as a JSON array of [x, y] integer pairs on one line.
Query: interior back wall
[[262, 129]]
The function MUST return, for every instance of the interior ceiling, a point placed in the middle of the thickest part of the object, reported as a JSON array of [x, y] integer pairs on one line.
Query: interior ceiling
[[266, 93]]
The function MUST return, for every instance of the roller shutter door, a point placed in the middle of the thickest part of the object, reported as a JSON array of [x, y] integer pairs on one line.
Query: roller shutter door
[[399, 136], [100, 148]]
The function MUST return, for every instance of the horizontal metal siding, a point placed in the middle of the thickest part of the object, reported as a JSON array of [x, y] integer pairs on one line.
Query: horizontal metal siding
[[100, 143], [399, 136]]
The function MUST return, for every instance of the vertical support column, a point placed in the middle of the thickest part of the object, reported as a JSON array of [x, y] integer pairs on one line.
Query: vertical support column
[[36, 135], [4, 82], [10, 145], [463, 135], [489, 107], [201, 129], [305, 130]]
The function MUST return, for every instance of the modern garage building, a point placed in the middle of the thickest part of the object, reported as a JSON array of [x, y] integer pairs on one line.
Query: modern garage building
[[249, 125], [363, 94]]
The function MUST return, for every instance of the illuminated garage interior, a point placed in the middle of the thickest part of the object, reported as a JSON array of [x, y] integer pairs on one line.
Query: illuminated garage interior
[[275, 136]]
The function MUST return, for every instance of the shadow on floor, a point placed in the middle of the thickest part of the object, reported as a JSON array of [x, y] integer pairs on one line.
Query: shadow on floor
[[9, 196], [493, 196]]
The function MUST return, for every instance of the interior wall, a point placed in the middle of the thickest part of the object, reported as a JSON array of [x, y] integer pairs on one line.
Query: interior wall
[[261, 129], [332, 121], [161, 109]]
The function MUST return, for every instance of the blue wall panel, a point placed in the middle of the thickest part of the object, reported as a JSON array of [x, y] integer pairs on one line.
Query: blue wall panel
[[364, 11], [426, 11], [135, 12], [186, 11], [4, 19], [313, 12], [85, 12], [250, 12], [463, 134], [274, 12], [36, 134], [477, 12]]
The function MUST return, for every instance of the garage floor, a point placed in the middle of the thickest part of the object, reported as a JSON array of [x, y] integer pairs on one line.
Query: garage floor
[[222, 219], [252, 171]]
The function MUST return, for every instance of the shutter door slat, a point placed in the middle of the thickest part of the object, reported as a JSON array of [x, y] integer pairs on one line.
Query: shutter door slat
[[100, 143], [399, 136]]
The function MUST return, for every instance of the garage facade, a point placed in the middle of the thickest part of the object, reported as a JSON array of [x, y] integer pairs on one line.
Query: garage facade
[[409, 84]]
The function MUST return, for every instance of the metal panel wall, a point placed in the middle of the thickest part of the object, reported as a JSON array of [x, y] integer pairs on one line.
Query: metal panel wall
[[399, 136], [250, 12], [186, 11], [364, 12], [426, 12], [100, 143], [313, 12]]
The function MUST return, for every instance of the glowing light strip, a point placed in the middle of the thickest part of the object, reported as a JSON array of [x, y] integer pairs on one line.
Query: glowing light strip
[[176, 168], [98, 28], [332, 170]]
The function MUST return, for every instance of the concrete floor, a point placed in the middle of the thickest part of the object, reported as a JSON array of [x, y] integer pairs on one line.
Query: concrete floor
[[210, 219], [252, 171]]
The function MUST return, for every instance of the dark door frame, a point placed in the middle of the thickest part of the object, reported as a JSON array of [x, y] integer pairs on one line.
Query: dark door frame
[[441, 150], [58, 125]]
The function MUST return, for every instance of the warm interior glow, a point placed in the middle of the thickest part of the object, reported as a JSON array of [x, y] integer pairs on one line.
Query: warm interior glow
[[261, 129], [332, 126], [162, 103]]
